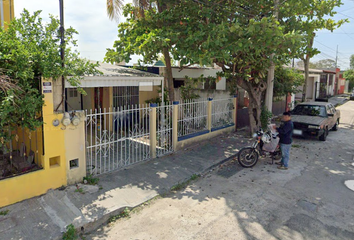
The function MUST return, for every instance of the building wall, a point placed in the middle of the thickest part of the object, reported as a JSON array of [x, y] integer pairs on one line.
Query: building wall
[[6, 12], [195, 73], [147, 95], [215, 94], [61, 144]]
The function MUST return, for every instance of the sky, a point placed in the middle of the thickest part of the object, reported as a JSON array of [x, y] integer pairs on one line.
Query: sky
[[97, 32]]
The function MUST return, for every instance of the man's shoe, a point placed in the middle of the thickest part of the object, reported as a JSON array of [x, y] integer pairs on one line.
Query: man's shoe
[[279, 163], [282, 168]]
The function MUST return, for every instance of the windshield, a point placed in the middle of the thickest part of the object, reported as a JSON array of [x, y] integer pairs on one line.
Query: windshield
[[310, 110]]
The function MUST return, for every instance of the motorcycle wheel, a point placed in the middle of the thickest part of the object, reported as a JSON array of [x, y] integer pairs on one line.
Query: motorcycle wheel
[[277, 155], [248, 157]]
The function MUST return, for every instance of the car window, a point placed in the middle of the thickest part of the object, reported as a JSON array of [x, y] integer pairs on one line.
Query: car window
[[329, 110], [310, 110]]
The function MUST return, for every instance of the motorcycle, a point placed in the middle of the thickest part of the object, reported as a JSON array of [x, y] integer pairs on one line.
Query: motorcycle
[[265, 144]]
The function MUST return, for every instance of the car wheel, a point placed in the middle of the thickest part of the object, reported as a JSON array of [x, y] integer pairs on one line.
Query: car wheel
[[335, 127], [323, 137]]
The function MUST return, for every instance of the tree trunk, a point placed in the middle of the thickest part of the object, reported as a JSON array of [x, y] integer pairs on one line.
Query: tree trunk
[[306, 68], [169, 76], [255, 93], [254, 112]]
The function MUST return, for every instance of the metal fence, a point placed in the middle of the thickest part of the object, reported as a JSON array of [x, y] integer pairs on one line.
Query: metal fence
[[120, 137], [164, 130], [116, 138], [192, 117], [22, 153], [221, 114]]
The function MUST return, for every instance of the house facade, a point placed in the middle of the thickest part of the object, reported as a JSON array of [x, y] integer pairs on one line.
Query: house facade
[[117, 87]]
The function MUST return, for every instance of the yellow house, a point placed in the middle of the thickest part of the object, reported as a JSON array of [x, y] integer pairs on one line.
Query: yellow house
[[118, 86], [6, 12]]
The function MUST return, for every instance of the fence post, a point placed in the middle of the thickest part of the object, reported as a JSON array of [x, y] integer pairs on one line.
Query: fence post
[[153, 130], [235, 111], [209, 113], [175, 125]]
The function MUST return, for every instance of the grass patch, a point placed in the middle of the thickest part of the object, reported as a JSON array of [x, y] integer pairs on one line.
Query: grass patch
[[296, 146], [70, 233], [80, 190], [183, 185], [4, 213], [91, 180], [124, 214]]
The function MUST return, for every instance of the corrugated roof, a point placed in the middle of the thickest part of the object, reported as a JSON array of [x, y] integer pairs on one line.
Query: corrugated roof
[[110, 70]]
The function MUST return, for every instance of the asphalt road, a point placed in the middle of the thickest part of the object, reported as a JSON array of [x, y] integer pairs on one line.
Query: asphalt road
[[308, 201]]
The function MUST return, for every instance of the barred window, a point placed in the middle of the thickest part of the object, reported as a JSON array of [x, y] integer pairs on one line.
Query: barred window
[[125, 96]]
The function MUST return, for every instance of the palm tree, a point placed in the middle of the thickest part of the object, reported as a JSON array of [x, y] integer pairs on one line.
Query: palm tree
[[114, 7]]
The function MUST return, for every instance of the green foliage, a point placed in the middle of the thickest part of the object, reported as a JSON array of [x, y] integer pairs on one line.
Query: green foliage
[[70, 233], [124, 214], [80, 190], [349, 75], [286, 81], [4, 212], [182, 185], [91, 180], [187, 90], [352, 61], [266, 115], [29, 51]]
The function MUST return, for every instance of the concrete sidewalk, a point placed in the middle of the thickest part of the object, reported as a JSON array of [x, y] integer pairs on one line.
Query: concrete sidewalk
[[47, 216]]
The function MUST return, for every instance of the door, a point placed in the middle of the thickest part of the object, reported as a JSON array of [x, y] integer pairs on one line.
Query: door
[[74, 99], [310, 88], [98, 98]]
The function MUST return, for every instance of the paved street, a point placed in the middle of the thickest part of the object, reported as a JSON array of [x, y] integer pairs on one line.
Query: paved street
[[309, 201]]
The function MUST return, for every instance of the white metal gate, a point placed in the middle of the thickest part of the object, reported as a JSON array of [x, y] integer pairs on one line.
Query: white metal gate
[[121, 137]]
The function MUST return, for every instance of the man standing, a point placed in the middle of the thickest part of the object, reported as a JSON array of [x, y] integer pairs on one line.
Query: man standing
[[285, 134]]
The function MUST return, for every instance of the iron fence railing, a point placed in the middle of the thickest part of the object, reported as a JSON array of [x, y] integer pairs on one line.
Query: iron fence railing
[[221, 114], [192, 117]]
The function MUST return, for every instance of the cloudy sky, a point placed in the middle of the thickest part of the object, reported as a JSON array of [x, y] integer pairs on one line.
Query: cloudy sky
[[97, 32]]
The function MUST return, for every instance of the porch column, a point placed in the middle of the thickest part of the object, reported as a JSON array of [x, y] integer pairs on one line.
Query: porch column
[[175, 125], [153, 130]]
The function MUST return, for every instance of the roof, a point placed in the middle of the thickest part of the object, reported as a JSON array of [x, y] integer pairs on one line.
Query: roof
[[115, 76], [120, 71], [315, 103]]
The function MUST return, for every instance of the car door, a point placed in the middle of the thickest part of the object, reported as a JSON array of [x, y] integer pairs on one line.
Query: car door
[[335, 114], [331, 116]]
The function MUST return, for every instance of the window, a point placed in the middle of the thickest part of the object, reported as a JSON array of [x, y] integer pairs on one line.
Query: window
[[74, 163], [125, 96], [72, 92]]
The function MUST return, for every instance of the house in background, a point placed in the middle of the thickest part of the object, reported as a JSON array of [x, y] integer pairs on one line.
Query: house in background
[[6, 12], [117, 87]]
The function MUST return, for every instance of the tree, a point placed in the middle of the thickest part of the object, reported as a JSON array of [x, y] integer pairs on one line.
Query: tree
[[310, 17], [349, 75], [156, 32], [29, 51], [325, 64], [352, 61], [286, 81]]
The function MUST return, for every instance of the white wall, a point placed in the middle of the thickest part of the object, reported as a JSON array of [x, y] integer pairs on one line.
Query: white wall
[[197, 72]]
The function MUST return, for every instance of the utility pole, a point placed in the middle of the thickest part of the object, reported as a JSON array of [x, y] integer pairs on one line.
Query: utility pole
[[62, 51], [270, 77], [337, 57]]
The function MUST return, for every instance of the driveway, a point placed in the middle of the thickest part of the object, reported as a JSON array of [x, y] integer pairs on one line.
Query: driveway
[[308, 201]]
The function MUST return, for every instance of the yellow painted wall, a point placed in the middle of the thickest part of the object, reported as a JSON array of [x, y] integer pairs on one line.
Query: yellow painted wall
[[8, 7], [53, 174], [75, 149], [33, 140], [147, 95]]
